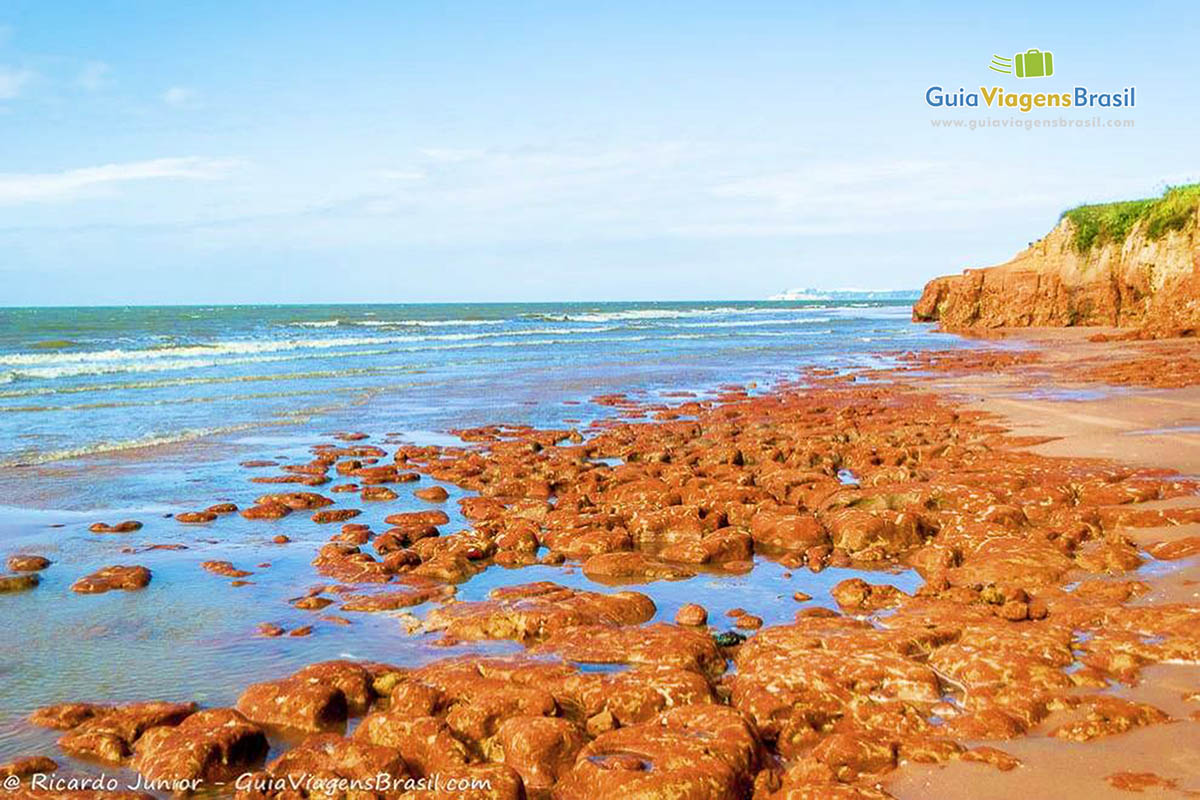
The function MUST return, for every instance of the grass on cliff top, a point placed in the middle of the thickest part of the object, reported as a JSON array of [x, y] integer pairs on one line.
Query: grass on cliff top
[[1097, 225]]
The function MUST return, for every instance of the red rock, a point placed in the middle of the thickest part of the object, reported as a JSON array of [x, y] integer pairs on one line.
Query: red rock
[[378, 493], [222, 508], [329, 757], [433, 494], [400, 598], [787, 531], [24, 767], [300, 704], [211, 746], [697, 752], [658, 644], [858, 595], [195, 517], [269, 629], [266, 511], [873, 535], [691, 614], [27, 563], [353, 679], [298, 501], [1164, 551], [335, 515], [417, 519], [541, 749], [1139, 781], [1107, 715], [128, 526], [109, 733], [303, 630], [632, 566], [749, 622], [18, 583], [127, 578], [427, 742], [225, 569], [533, 611], [1132, 281]]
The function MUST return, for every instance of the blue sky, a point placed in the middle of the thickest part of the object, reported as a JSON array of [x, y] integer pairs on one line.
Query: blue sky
[[259, 152]]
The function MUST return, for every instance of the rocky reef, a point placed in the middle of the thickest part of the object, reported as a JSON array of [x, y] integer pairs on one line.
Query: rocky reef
[[1028, 612], [1130, 265]]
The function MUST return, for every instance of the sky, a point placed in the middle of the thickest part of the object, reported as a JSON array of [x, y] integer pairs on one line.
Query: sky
[[262, 152]]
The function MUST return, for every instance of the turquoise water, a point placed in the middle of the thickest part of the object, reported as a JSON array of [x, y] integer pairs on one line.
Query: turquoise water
[[140, 413]]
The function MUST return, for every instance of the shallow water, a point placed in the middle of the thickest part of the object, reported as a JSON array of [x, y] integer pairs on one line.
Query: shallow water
[[164, 375]]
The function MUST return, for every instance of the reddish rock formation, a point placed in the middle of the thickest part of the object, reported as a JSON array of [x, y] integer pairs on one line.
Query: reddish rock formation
[[108, 733], [18, 583], [1138, 283], [128, 526], [107, 579], [27, 563], [210, 746]]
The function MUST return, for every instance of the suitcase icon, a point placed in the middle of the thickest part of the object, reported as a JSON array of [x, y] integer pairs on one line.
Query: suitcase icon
[[1033, 63]]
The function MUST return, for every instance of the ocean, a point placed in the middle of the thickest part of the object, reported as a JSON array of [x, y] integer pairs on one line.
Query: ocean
[[140, 413]]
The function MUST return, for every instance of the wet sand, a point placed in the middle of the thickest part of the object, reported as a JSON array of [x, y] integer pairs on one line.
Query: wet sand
[[689, 502]]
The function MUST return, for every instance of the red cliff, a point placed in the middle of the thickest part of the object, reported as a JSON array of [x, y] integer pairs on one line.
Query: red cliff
[[1149, 278]]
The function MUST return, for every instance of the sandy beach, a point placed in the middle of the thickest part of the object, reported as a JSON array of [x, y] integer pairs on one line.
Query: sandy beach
[[963, 576]]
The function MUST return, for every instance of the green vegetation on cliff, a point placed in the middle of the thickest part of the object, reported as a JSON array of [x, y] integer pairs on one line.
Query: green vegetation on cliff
[[1097, 225]]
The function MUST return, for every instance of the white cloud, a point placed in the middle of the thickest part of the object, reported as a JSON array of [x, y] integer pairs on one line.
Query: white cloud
[[16, 189], [12, 81], [181, 97], [93, 75]]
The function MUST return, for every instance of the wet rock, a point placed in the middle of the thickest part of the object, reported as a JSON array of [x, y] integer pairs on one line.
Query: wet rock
[[225, 569], [396, 599], [211, 746], [195, 517], [298, 501], [128, 526], [869, 535], [295, 703], [787, 530], [266, 511], [126, 578], [858, 595], [378, 494], [530, 612], [353, 679], [417, 519], [705, 751], [335, 515], [658, 644], [633, 566], [1139, 781], [27, 563], [109, 733], [749, 622], [539, 748], [1107, 715], [428, 744], [1164, 551], [329, 758], [24, 767], [18, 583], [691, 614], [222, 508], [432, 494]]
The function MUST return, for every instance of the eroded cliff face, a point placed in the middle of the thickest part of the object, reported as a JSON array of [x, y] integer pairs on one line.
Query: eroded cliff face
[[1138, 283]]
